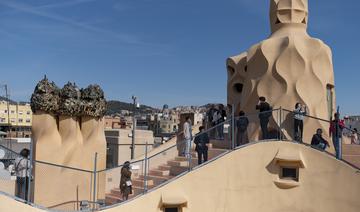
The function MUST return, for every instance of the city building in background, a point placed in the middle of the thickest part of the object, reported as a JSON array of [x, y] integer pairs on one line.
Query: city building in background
[[15, 118]]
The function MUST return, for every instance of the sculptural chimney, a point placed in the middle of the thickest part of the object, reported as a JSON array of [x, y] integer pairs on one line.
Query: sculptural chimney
[[287, 68]]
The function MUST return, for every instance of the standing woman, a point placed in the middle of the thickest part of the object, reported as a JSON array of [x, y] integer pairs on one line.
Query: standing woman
[[125, 181], [299, 113], [22, 167]]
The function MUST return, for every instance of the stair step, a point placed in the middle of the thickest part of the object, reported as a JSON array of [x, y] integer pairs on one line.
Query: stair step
[[136, 190], [164, 167], [181, 158], [157, 179], [176, 170], [139, 183], [158, 172], [112, 199], [177, 163]]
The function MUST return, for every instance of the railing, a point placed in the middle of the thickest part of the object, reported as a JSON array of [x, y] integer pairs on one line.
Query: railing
[[157, 169]]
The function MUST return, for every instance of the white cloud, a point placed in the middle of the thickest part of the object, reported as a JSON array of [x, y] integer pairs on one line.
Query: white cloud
[[125, 38]]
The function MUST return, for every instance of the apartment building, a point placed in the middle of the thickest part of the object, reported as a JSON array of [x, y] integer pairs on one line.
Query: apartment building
[[18, 116]]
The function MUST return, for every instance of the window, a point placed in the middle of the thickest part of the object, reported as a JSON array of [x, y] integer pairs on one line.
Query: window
[[12, 111], [20, 120], [28, 112], [171, 209], [28, 120], [5, 111], [2, 120], [12, 120], [289, 173], [20, 112]]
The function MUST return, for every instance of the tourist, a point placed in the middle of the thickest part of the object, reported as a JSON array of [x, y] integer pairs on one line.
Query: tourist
[[354, 136], [220, 121], [125, 181], [215, 120], [209, 116], [202, 142], [242, 124], [187, 135], [299, 113], [22, 171], [318, 141], [264, 116], [336, 127]]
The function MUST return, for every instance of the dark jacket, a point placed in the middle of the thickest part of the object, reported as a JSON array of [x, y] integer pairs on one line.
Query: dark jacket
[[265, 110], [242, 124], [125, 176], [317, 139], [201, 140], [223, 115]]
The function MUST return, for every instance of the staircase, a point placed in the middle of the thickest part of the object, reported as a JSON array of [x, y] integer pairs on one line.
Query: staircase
[[351, 154], [166, 171]]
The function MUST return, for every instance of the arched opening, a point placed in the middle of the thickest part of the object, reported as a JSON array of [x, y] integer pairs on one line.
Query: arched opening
[[238, 87]]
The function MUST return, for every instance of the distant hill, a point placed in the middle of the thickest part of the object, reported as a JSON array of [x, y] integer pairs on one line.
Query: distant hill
[[114, 107]]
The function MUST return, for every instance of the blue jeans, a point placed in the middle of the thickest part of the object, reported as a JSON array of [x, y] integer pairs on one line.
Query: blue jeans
[[320, 146], [337, 146], [187, 148]]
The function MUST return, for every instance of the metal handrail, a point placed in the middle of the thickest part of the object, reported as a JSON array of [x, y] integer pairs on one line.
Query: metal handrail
[[228, 121], [10, 150], [324, 120], [62, 166], [313, 117]]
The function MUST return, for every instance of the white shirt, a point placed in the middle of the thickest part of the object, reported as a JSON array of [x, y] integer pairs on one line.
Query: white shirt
[[187, 131], [22, 167]]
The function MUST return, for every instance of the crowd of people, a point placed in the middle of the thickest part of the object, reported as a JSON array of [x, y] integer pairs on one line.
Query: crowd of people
[[214, 129], [300, 113]]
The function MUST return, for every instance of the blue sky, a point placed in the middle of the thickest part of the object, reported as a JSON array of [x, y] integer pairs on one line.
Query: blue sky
[[164, 51]]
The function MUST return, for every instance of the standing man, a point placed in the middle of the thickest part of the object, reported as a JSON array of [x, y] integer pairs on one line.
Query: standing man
[[264, 116], [187, 135], [202, 142], [336, 128]]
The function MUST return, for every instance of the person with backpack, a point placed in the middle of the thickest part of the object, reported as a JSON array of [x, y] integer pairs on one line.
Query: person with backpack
[[264, 116], [22, 172], [242, 124], [202, 141]]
